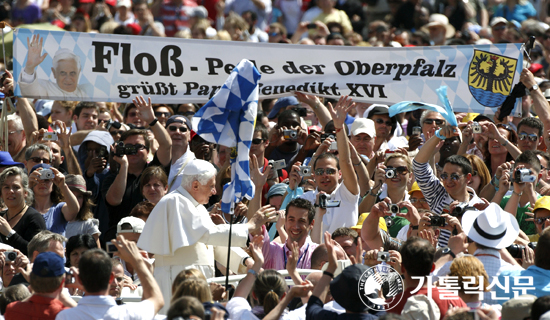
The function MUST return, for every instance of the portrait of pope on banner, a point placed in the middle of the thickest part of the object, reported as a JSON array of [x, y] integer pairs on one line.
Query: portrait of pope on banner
[[66, 69]]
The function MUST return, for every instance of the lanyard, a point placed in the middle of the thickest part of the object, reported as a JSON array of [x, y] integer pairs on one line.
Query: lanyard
[[300, 258]]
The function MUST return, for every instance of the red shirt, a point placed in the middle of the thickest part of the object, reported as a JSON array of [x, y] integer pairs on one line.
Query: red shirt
[[442, 304], [266, 186], [35, 308]]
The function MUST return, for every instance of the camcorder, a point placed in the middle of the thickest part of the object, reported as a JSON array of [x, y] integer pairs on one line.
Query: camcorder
[[305, 171], [523, 175], [325, 202], [460, 209], [515, 250], [46, 174], [10, 255], [437, 221], [121, 149], [277, 165], [290, 134], [476, 127]]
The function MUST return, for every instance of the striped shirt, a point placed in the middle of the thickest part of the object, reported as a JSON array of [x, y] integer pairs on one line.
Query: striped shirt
[[436, 195]]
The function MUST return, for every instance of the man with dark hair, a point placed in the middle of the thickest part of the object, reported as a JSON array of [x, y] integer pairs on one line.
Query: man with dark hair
[[47, 281], [287, 148], [544, 180], [417, 257], [256, 34], [144, 17], [383, 124], [539, 273], [519, 202], [85, 116], [347, 239], [95, 274], [121, 188], [530, 131], [455, 176], [299, 221]]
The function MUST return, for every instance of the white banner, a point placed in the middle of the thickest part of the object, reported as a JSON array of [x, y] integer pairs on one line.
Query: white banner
[[104, 67]]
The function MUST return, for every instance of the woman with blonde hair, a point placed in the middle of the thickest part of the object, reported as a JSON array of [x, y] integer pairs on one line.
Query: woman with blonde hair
[[473, 282], [480, 175]]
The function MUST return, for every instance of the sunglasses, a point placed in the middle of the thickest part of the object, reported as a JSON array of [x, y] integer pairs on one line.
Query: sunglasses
[[401, 170], [438, 122], [414, 200], [187, 113], [454, 176], [257, 141], [162, 114], [380, 121], [38, 159], [137, 146], [532, 137], [99, 121], [113, 133], [175, 128], [328, 171], [541, 220], [499, 28]]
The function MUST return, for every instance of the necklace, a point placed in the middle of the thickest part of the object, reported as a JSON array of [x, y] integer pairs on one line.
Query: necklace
[[9, 219]]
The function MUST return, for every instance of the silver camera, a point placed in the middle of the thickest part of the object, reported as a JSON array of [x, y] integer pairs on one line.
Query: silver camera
[[476, 127], [50, 136], [383, 256], [333, 146], [305, 171], [277, 165], [390, 173], [524, 175], [10, 255], [394, 209], [416, 131], [46, 174], [290, 134]]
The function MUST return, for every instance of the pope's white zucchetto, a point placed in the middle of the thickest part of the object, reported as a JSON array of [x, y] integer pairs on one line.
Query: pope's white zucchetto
[[197, 166]]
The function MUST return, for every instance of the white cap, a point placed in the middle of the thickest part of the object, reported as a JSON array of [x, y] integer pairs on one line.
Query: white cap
[[198, 166], [124, 3], [363, 125], [497, 20], [137, 225]]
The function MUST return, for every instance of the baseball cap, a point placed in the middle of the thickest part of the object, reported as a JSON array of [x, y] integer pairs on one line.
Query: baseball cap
[[414, 188], [542, 203], [129, 225], [278, 189], [6, 160], [48, 265], [376, 109], [497, 20], [341, 288], [518, 308], [362, 217], [282, 103], [124, 3], [363, 125], [178, 119]]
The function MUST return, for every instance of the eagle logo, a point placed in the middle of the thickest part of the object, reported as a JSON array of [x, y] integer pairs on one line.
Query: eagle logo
[[490, 78]]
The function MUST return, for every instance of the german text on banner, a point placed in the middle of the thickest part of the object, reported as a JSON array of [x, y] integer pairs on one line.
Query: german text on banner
[[104, 67]]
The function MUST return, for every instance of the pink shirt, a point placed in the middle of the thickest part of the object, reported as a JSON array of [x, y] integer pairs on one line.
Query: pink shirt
[[276, 254]]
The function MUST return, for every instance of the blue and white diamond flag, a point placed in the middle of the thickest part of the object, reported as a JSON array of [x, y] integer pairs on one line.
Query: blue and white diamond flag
[[229, 119]]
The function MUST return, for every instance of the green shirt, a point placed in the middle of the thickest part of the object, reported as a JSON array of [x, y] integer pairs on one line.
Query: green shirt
[[526, 226], [398, 223]]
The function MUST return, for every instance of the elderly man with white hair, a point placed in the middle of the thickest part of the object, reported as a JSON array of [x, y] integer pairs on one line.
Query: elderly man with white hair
[[181, 234], [65, 69]]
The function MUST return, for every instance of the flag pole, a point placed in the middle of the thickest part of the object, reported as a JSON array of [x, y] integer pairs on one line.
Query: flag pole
[[229, 245]]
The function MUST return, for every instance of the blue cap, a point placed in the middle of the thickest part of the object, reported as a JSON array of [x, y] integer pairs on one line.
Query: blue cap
[[278, 189], [40, 165], [7, 160], [179, 119], [48, 265], [282, 103]]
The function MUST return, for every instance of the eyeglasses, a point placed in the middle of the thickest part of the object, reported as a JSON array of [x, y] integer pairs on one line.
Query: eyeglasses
[[541, 220], [187, 113], [380, 121], [113, 133], [415, 200], [401, 170], [438, 122], [328, 171], [533, 137], [182, 129], [454, 176], [257, 141], [162, 114], [38, 159]]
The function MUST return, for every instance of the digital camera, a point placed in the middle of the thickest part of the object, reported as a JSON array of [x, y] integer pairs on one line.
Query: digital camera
[[383, 256], [290, 134], [305, 171], [515, 250], [102, 153], [333, 146], [10, 255], [476, 127], [50, 136], [524, 175], [324, 136], [46, 174], [437, 221], [394, 209], [390, 173], [277, 165], [460, 208], [111, 248], [416, 131], [325, 202]]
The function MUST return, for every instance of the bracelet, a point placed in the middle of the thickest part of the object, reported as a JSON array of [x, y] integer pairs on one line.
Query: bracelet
[[439, 135], [358, 163], [243, 262], [505, 143], [251, 271], [337, 129], [316, 105], [153, 122], [328, 274], [12, 232], [372, 194], [517, 194]]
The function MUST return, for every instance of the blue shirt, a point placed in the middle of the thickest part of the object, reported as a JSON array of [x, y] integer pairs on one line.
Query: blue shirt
[[520, 13], [55, 220], [540, 280]]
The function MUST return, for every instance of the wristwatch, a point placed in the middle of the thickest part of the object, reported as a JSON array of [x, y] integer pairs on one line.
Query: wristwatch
[[448, 250], [534, 87]]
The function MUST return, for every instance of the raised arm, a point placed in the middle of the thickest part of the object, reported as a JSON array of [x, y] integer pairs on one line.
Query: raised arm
[[339, 113], [145, 111], [318, 107], [427, 151], [540, 104], [71, 208]]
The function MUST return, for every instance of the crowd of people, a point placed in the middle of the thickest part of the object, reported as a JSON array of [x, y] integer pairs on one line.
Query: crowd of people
[[402, 217]]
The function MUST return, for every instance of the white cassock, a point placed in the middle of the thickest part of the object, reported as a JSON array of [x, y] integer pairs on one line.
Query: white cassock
[[45, 89], [181, 234]]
